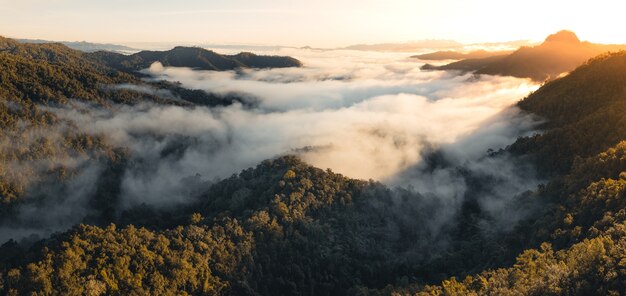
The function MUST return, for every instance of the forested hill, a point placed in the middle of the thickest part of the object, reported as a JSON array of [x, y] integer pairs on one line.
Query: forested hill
[[586, 113], [559, 53], [53, 72], [287, 228], [192, 57], [579, 246]]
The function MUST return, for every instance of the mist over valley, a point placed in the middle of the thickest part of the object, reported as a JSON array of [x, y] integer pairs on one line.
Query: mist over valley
[[223, 166]]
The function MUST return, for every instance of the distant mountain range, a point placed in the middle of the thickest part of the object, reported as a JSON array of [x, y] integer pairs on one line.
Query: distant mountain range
[[85, 46], [192, 57], [434, 44], [559, 53], [456, 55], [406, 47]]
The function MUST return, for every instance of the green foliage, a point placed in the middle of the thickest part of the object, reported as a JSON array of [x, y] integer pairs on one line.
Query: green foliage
[[43, 73], [96, 261], [36, 146], [586, 113]]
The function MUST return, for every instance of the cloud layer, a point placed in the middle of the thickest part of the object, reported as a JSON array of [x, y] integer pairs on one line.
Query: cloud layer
[[366, 115]]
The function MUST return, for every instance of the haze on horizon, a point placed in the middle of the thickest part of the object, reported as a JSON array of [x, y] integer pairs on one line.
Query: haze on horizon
[[323, 23]]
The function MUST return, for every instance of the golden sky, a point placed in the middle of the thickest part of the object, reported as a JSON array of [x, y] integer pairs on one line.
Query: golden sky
[[326, 23]]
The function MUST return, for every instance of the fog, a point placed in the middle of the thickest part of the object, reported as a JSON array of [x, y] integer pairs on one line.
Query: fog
[[367, 115], [363, 114]]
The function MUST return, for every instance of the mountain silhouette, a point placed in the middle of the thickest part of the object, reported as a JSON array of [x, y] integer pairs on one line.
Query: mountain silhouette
[[559, 53], [563, 36], [192, 57]]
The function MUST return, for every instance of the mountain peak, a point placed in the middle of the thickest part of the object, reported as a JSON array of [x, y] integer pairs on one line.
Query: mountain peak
[[563, 36]]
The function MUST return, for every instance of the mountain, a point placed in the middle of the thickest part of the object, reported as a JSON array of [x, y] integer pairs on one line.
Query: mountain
[[192, 57], [85, 46], [456, 55], [559, 53]]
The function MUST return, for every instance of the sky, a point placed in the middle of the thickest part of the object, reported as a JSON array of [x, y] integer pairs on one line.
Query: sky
[[320, 23]]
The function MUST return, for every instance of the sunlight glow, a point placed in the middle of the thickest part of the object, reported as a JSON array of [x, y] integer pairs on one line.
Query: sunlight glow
[[316, 23]]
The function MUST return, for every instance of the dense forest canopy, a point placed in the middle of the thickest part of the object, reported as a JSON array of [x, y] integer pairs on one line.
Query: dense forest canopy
[[586, 112], [284, 227]]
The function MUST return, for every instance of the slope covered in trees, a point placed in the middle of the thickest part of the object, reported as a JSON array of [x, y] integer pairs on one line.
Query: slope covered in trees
[[52, 72], [580, 243], [47, 74], [559, 53], [586, 113], [282, 228], [192, 57], [36, 75]]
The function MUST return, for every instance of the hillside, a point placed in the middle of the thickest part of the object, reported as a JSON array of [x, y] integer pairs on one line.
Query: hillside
[[36, 75], [579, 244], [192, 57], [586, 112], [52, 72], [559, 53], [281, 228]]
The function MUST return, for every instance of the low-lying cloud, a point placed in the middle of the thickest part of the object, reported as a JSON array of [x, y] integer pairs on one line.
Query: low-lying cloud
[[365, 115]]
